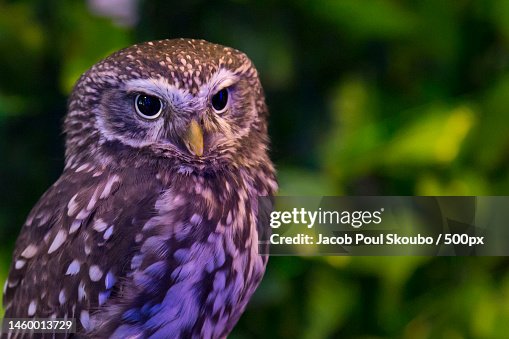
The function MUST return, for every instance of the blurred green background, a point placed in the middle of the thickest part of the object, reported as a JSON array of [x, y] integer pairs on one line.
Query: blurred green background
[[372, 97]]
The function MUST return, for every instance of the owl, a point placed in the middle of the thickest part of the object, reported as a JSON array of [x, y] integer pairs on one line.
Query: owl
[[152, 230]]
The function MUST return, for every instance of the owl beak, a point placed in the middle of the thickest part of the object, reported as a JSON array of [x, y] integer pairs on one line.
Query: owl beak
[[193, 138]]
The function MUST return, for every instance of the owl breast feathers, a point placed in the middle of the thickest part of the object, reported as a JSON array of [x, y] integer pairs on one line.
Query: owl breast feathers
[[152, 228]]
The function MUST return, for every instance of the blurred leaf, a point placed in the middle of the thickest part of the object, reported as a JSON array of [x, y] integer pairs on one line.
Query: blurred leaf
[[85, 44], [365, 19], [492, 141], [435, 137], [299, 182], [328, 302], [11, 105], [22, 41]]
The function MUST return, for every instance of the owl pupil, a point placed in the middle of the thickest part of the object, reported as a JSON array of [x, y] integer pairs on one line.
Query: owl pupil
[[219, 100], [148, 106]]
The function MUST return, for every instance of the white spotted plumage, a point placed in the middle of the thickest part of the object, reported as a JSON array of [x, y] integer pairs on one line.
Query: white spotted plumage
[[74, 268], [59, 239]]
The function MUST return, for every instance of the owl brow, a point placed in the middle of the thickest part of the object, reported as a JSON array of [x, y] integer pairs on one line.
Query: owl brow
[[223, 78], [160, 88]]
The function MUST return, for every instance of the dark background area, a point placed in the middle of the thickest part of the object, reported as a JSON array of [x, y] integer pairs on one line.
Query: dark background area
[[366, 97]]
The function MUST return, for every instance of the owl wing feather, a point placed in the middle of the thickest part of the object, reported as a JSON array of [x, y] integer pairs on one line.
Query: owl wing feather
[[77, 243]]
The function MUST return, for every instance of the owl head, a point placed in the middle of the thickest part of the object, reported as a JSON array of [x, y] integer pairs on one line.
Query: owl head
[[186, 102]]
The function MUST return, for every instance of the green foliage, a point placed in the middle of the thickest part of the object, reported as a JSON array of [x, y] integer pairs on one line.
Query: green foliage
[[379, 97]]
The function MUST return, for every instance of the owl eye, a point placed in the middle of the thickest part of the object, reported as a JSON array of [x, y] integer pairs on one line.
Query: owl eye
[[220, 100], [148, 106]]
